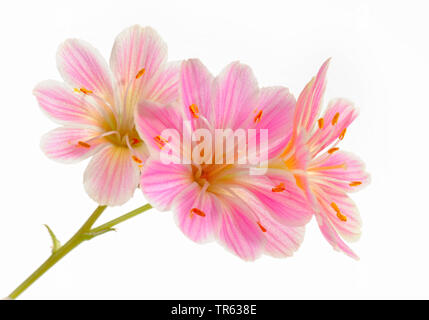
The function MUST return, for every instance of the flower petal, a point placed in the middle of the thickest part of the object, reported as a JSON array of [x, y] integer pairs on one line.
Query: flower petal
[[64, 105], [84, 68], [69, 145], [344, 112], [236, 92], [137, 55], [164, 85], [310, 100], [197, 213], [162, 183], [152, 119], [277, 106], [341, 212], [332, 236], [341, 170], [111, 176], [196, 90], [238, 231]]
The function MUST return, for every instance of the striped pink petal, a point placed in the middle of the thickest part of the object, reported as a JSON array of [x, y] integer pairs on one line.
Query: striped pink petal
[[111, 176], [238, 231], [274, 111], [341, 170], [64, 105], [138, 56], [236, 92], [196, 84], [162, 183], [82, 66], [338, 116], [163, 88], [310, 100], [68, 144], [197, 213]]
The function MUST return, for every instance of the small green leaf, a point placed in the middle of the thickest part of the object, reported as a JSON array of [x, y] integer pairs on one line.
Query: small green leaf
[[55, 243]]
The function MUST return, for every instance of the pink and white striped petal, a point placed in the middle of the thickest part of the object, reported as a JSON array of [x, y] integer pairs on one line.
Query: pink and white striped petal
[[338, 116], [70, 145], [238, 231], [111, 176], [163, 88], [235, 98], [82, 66], [162, 183], [152, 120], [196, 84], [137, 55], [65, 106], [274, 113], [197, 213], [341, 170], [332, 236], [310, 101]]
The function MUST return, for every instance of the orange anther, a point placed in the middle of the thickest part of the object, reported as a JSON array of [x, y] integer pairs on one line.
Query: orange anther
[[332, 150], [85, 91], [355, 183], [320, 122], [261, 226], [137, 159], [335, 119], [160, 141], [84, 144], [279, 188], [343, 133], [258, 117], [193, 108], [197, 212], [140, 73]]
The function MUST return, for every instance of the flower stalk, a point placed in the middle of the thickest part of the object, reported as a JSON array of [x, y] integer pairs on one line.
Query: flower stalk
[[86, 232]]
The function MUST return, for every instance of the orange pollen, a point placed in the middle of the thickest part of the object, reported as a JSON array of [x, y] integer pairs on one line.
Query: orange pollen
[[335, 119], [279, 188], [140, 73], [135, 141], [339, 214], [261, 226], [258, 117], [320, 123], [197, 212], [137, 159], [332, 150], [355, 183], [85, 91], [343, 133], [84, 144], [160, 141], [194, 110]]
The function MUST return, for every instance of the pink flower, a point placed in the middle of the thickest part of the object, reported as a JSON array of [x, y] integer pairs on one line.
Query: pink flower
[[96, 106], [249, 214], [326, 173]]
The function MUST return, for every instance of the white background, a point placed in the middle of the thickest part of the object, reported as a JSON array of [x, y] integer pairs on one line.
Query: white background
[[380, 57]]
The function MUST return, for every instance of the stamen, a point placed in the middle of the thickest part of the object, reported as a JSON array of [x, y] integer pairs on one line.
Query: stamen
[[85, 91], [194, 110], [335, 119], [84, 144], [197, 212], [258, 117], [135, 141], [140, 73], [332, 150], [355, 183], [320, 122], [137, 159], [339, 214], [160, 141], [261, 226], [279, 188], [343, 133]]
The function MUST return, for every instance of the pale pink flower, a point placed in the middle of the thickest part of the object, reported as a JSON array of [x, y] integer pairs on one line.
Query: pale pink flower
[[249, 214], [96, 106], [326, 173]]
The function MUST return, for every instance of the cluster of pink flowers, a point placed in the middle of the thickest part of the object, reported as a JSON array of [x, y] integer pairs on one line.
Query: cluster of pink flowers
[[117, 116]]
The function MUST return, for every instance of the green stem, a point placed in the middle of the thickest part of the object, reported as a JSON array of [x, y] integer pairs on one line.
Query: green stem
[[84, 233]]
